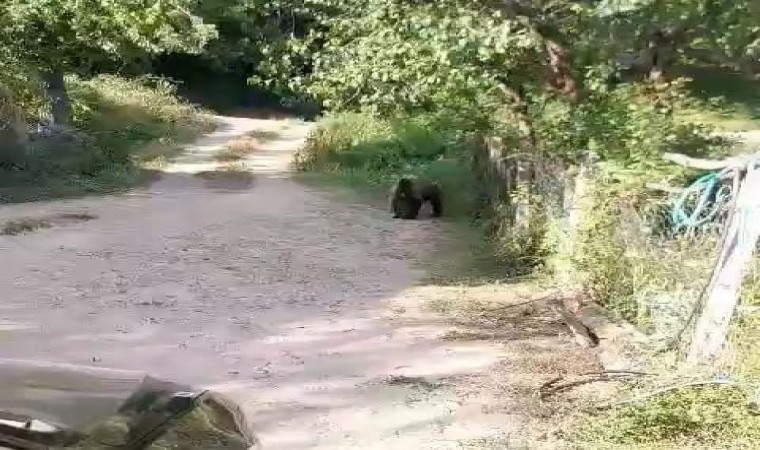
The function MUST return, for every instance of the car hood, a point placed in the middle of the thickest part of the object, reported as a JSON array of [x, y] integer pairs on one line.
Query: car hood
[[61, 405]]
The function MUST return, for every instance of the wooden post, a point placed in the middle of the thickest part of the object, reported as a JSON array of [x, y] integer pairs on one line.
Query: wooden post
[[505, 170], [742, 233], [522, 192], [576, 191], [495, 149], [13, 135]]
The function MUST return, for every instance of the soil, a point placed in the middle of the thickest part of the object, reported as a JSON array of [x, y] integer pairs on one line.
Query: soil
[[312, 312]]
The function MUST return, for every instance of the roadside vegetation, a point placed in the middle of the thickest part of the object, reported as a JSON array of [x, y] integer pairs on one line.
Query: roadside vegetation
[[67, 128], [119, 128], [417, 89]]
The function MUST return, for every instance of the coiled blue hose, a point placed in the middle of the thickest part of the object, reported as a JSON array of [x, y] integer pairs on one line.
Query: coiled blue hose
[[701, 202]]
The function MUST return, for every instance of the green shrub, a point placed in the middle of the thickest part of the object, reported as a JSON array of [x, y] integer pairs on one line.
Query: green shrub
[[364, 149], [625, 255], [696, 417], [601, 257], [627, 258], [631, 126], [336, 135], [130, 112]]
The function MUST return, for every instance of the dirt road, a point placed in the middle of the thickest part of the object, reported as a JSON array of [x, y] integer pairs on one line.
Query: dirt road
[[252, 282]]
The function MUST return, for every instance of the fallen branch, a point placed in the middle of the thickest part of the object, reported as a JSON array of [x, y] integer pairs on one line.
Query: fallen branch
[[666, 389], [748, 310], [582, 334], [552, 387], [553, 295], [709, 164]]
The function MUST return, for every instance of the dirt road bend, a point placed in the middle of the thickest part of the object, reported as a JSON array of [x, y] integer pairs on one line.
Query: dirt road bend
[[243, 278]]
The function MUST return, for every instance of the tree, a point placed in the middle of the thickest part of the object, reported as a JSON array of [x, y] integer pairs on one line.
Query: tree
[[53, 37], [244, 25], [402, 55], [714, 32]]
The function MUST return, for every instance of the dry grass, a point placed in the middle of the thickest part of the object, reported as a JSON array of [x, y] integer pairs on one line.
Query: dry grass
[[74, 217], [536, 347], [264, 135], [123, 125], [236, 149], [227, 178], [28, 224], [234, 166], [22, 226], [413, 382], [496, 312], [157, 154]]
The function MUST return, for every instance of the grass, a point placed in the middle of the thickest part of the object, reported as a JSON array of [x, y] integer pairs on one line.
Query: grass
[[227, 177], [236, 150], [157, 153], [264, 135], [712, 417], [369, 154], [25, 225], [142, 110], [22, 226], [76, 217], [663, 277], [122, 126], [745, 332]]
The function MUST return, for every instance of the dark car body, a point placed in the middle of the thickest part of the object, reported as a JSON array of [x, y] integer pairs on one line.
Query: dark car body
[[58, 406]]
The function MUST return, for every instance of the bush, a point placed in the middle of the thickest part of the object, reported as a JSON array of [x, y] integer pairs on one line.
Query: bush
[[114, 119], [631, 126], [697, 417], [362, 148], [135, 110], [628, 127], [628, 259], [626, 256]]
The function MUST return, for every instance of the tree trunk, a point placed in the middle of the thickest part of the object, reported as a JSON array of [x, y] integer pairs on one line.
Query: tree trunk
[[523, 171], [60, 103], [12, 132], [561, 72]]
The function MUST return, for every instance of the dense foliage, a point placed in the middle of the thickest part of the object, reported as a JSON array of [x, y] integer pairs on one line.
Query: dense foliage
[[546, 70], [97, 124], [44, 39], [62, 34]]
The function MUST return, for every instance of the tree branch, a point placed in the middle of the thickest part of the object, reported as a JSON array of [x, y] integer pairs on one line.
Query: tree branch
[[709, 164]]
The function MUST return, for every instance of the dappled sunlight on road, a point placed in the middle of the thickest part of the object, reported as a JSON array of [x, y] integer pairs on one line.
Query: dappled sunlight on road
[[242, 278]]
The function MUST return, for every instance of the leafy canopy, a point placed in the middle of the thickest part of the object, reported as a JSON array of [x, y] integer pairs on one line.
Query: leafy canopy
[[389, 54], [58, 34]]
